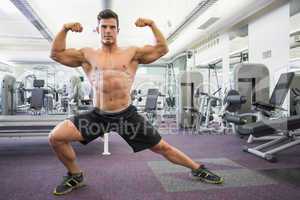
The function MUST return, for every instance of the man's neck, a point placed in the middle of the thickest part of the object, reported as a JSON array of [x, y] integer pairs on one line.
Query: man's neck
[[109, 48]]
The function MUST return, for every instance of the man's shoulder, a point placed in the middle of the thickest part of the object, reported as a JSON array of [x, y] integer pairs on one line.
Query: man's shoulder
[[86, 49], [129, 48], [129, 51]]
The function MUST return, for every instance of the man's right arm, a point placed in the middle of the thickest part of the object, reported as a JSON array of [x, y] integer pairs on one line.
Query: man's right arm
[[69, 57]]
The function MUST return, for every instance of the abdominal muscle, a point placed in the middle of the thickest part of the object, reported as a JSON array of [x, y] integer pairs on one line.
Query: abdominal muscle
[[111, 89]]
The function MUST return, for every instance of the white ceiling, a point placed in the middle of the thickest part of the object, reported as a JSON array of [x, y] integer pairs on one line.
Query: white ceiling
[[20, 41], [163, 12]]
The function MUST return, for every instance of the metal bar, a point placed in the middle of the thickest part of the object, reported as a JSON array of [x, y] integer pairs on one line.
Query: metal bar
[[26, 9]]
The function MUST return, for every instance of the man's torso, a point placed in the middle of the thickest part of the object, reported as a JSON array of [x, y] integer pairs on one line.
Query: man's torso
[[111, 75]]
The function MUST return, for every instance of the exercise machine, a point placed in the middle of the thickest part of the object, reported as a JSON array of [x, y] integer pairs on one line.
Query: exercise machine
[[186, 87], [206, 112], [8, 95]]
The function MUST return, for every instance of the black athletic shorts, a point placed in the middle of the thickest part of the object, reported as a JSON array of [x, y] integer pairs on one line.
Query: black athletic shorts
[[128, 123]]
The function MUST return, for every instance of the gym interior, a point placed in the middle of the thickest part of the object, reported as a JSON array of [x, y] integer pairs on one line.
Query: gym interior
[[227, 94]]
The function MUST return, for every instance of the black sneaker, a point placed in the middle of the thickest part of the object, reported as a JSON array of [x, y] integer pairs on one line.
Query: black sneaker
[[70, 182], [203, 174]]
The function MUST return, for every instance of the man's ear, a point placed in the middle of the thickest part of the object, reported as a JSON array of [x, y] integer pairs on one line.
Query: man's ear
[[97, 29], [118, 30]]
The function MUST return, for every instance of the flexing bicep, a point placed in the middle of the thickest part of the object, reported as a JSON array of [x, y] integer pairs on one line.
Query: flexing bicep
[[69, 57], [149, 53]]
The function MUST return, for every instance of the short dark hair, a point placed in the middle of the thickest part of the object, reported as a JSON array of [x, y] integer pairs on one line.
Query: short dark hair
[[106, 14]]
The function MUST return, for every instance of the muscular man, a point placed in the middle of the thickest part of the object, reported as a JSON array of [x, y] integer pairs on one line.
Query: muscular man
[[111, 71]]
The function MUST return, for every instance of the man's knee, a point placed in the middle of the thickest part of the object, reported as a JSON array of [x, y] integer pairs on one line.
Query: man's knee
[[65, 132], [56, 136], [53, 140], [162, 148]]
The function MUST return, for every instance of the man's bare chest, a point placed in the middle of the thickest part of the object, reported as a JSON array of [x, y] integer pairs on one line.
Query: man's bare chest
[[111, 61]]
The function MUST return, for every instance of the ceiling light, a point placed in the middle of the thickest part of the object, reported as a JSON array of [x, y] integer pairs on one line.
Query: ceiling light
[[208, 23]]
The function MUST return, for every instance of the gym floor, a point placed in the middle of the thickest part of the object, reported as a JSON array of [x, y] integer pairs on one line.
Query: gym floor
[[29, 170]]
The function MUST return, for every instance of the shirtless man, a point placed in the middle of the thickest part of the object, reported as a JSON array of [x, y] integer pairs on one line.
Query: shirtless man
[[111, 71]]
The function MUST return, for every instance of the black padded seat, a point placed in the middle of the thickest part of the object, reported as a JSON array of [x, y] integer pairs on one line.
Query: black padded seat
[[269, 127]]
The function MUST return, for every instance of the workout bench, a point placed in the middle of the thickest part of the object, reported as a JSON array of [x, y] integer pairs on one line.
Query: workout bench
[[288, 136]]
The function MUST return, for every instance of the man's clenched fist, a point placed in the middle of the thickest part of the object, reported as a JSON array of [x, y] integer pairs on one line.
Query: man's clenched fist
[[142, 22], [74, 27]]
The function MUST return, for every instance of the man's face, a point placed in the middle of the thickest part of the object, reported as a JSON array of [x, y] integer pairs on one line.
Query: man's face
[[109, 31]]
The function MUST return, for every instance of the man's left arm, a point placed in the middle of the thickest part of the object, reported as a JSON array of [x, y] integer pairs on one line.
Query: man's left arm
[[151, 53]]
